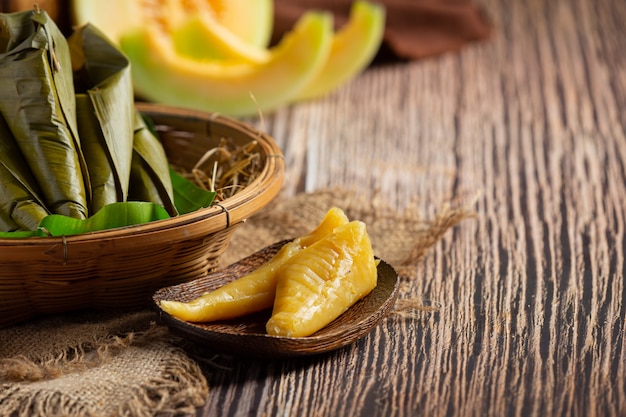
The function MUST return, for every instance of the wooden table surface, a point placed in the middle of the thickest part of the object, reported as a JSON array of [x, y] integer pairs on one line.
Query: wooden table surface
[[531, 296]]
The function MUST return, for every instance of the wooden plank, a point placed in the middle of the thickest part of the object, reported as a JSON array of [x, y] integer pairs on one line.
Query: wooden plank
[[531, 301]]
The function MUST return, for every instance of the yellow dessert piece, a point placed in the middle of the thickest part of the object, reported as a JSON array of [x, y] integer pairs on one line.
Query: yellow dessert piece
[[321, 282], [255, 291]]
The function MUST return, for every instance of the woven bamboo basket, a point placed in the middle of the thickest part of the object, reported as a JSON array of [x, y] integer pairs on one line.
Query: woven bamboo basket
[[122, 267]]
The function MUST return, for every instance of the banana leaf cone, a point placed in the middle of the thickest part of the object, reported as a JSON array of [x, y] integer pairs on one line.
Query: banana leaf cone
[[150, 179], [105, 114], [6, 223], [37, 101], [20, 208]]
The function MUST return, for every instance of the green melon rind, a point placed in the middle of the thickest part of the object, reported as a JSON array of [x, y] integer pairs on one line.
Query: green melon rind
[[354, 47]]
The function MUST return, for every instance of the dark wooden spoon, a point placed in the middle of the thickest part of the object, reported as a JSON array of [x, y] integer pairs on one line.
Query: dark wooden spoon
[[246, 336]]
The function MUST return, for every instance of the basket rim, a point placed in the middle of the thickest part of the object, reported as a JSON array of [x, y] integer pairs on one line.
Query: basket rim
[[229, 211]]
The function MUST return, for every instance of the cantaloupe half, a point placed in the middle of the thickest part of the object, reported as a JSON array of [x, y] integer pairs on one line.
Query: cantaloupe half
[[249, 20], [354, 47], [235, 88]]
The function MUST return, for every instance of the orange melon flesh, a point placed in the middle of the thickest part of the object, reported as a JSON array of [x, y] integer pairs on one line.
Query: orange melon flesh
[[321, 282], [256, 28], [249, 20]]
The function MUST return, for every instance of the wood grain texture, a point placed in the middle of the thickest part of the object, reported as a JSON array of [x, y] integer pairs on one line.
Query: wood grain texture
[[531, 301]]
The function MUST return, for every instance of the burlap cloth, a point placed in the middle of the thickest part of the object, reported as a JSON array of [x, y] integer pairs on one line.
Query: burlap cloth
[[126, 364]]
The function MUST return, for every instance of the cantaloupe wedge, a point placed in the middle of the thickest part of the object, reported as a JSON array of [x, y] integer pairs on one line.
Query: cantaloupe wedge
[[353, 49], [233, 88], [249, 20]]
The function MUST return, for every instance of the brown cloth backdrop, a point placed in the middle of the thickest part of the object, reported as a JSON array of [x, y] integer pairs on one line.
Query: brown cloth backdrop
[[414, 28]]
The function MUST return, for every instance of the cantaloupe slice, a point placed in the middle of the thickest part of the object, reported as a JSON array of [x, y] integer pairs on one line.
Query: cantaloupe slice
[[354, 47], [232, 88], [249, 20]]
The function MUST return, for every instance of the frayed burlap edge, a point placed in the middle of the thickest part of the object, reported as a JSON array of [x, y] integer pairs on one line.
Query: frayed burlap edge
[[75, 359], [175, 392], [34, 386]]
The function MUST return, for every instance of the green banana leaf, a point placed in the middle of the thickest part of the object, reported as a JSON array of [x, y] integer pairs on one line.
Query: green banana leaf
[[150, 173], [12, 33], [38, 104], [188, 197], [105, 109], [106, 187], [114, 215], [19, 209], [7, 224], [20, 206]]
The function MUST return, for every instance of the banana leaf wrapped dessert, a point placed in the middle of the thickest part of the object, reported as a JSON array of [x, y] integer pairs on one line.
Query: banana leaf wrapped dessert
[[104, 108], [20, 207], [150, 174], [37, 102], [72, 141], [125, 159]]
